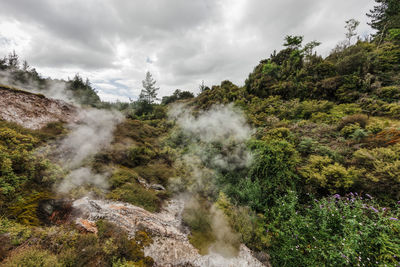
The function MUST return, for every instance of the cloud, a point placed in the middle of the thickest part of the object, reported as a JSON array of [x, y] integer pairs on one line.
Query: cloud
[[181, 42]]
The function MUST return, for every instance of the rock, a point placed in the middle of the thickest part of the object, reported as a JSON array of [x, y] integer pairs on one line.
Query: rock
[[86, 225], [171, 246], [157, 187], [143, 182]]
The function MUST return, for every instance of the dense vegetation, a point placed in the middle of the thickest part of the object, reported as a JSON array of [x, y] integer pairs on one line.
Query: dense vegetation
[[322, 187]]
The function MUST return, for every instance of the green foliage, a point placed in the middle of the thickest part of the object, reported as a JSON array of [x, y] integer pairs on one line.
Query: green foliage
[[125, 187], [350, 129], [382, 170], [149, 91], [385, 17], [322, 172], [177, 95], [83, 91], [307, 146], [247, 223], [225, 93], [389, 93], [18, 233], [33, 257], [270, 175], [335, 231]]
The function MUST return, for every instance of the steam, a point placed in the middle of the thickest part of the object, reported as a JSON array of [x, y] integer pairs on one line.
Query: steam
[[219, 124], [216, 140], [92, 133], [227, 242], [56, 89], [84, 175]]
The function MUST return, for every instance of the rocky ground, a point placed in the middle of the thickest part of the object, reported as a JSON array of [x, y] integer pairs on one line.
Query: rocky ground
[[171, 246], [31, 110]]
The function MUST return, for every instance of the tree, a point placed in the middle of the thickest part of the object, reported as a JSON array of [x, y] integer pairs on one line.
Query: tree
[[177, 95], [13, 60], [149, 91], [351, 26], [203, 87], [25, 66], [293, 42], [309, 47], [384, 17]]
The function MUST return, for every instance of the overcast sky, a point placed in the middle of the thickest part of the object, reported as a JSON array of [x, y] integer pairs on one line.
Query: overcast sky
[[181, 42]]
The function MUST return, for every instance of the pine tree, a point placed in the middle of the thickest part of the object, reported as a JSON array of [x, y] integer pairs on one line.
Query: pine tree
[[149, 91], [384, 17]]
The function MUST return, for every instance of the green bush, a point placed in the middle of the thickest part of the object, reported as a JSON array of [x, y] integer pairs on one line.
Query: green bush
[[361, 119], [350, 129], [271, 174], [334, 231], [381, 170], [32, 257], [389, 93], [324, 173], [307, 146]]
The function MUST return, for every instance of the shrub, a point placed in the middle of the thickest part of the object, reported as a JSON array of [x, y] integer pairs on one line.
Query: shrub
[[382, 170], [271, 174], [359, 119], [322, 172], [335, 231], [32, 257], [359, 134], [349, 129], [137, 195], [386, 138], [375, 128], [247, 223], [282, 133], [389, 93], [307, 146], [141, 155]]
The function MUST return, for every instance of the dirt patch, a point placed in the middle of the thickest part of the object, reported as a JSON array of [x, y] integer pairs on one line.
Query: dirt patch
[[33, 111]]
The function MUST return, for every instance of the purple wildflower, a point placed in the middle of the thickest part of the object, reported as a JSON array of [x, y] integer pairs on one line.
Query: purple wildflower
[[374, 209], [368, 195], [337, 196], [393, 219]]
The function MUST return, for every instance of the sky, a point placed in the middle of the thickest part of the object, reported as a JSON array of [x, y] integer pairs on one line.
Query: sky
[[181, 42]]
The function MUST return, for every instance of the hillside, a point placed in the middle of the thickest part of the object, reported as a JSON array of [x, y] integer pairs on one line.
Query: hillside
[[33, 111]]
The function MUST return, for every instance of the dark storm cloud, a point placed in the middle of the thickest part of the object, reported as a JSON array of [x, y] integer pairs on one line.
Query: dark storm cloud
[[182, 42]]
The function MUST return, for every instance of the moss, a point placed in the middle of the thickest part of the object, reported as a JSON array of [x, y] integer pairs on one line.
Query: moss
[[156, 172], [136, 194]]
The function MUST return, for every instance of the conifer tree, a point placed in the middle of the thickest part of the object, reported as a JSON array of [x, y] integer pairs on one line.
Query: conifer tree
[[149, 91]]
